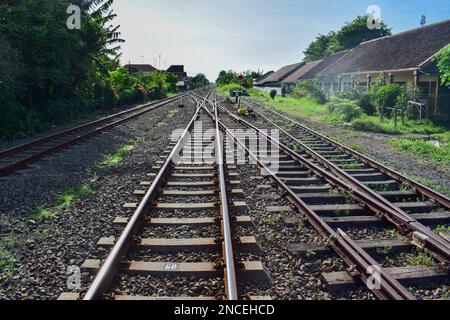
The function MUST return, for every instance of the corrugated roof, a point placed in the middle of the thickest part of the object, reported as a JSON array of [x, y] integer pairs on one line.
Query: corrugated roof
[[284, 72], [141, 67], [263, 77], [409, 49], [295, 76], [311, 74]]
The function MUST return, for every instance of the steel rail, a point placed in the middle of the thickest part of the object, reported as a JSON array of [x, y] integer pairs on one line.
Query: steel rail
[[230, 272], [22, 163], [430, 193], [350, 252], [360, 192], [27, 145], [109, 268]]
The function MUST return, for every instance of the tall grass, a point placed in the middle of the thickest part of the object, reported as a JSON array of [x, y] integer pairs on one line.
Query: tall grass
[[304, 107], [224, 90], [373, 124], [423, 148]]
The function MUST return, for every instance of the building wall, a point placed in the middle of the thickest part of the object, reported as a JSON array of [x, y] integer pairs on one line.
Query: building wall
[[431, 96], [268, 89]]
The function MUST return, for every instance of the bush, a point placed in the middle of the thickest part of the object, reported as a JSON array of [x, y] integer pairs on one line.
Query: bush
[[273, 93], [362, 99], [346, 110], [349, 94], [386, 95], [393, 95], [256, 93], [308, 89], [365, 103], [409, 93]]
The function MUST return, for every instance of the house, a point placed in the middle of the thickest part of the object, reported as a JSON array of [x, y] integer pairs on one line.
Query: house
[[144, 68], [294, 77], [274, 80], [403, 57], [322, 65], [178, 70], [261, 79]]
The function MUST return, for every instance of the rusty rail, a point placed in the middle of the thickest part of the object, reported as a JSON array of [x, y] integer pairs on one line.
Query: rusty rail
[[23, 162], [350, 252], [109, 268], [430, 193], [381, 206], [230, 273]]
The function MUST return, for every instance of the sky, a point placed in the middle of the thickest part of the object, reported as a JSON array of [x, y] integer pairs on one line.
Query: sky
[[212, 35]]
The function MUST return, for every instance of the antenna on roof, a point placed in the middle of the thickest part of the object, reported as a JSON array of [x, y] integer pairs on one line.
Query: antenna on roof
[[423, 20]]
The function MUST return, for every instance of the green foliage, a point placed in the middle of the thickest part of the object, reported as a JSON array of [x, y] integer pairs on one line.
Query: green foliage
[[409, 93], [318, 48], [348, 37], [114, 159], [64, 201], [50, 75], [423, 148], [49, 68], [361, 97], [199, 81], [7, 257], [443, 63], [345, 110], [40, 213], [273, 94], [224, 90], [74, 194], [386, 96], [229, 77], [373, 124], [442, 229], [393, 95], [308, 89], [419, 257]]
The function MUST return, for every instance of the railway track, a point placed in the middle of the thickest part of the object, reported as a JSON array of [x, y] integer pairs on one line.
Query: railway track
[[17, 158], [339, 196], [182, 240], [405, 198]]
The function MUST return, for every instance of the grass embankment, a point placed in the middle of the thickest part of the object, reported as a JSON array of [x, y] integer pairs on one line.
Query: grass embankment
[[309, 108], [436, 148]]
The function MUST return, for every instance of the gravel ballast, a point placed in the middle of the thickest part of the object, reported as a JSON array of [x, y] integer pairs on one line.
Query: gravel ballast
[[377, 146], [44, 250]]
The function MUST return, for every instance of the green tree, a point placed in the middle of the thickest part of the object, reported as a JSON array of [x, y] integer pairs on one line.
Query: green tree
[[318, 48], [356, 32], [57, 77], [198, 81], [443, 63], [227, 77], [348, 37]]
